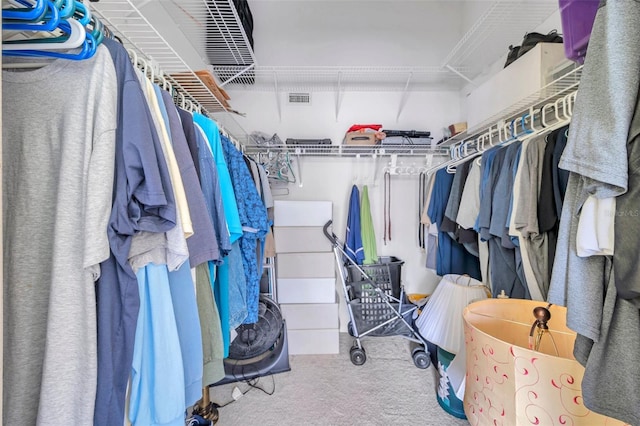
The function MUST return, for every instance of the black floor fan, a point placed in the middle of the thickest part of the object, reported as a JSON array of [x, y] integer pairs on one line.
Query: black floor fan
[[260, 348]]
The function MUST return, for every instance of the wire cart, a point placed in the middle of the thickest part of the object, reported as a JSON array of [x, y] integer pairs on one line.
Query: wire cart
[[376, 303]]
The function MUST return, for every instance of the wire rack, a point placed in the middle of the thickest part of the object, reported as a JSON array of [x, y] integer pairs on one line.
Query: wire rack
[[567, 82], [347, 150], [128, 23], [502, 24], [214, 28], [338, 78]]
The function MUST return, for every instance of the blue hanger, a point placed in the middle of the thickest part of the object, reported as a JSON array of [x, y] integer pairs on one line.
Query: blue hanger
[[50, 22], [74, 36], [88, 50], [97, 29], [68, 9], [526, 130], [82, 13], [33, 13]]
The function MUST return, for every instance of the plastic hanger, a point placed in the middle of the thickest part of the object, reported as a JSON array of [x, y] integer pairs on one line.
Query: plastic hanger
[[34, 13], [83, 13], [67, 9], [75, 37], [97, 29], [88, 50], [49, 22]]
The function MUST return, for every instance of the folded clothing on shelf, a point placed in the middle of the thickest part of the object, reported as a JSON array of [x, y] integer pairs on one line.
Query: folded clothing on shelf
[[407, 133], [325, 141]]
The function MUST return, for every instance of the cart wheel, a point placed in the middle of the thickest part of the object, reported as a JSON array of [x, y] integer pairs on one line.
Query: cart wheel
[[350, 329], [358, 357], [421, 359]]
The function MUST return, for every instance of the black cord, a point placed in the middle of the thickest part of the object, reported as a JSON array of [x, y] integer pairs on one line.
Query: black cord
[[253, 384]]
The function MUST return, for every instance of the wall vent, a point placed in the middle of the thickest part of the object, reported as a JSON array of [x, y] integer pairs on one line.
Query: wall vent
[[300, 98]]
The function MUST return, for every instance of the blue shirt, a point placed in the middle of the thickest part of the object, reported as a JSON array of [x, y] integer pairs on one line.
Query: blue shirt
[[142, 201], [229, 200], [452, 257], [202, 245], [157, 376], [353, 240], [253, 216]]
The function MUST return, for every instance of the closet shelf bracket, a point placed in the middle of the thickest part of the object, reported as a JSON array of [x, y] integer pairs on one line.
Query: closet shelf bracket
[[405, 96]]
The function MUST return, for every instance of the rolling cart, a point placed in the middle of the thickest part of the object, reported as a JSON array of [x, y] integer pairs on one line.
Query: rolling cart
[[376, 303]]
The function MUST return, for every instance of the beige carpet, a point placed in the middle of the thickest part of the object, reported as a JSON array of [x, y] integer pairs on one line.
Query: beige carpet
[[329, 390]]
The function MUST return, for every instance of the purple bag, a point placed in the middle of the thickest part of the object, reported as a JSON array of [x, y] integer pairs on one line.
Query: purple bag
[[577, 20]]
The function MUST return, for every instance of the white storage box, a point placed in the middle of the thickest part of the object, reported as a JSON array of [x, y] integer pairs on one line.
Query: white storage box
[[307, 342], [306, 290], [293, 239], [306, 265], [520, 80], [310, 316], [302, 213]]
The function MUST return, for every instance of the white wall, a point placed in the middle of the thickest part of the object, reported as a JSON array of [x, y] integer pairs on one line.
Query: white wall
[[331, 178], [423, 111]]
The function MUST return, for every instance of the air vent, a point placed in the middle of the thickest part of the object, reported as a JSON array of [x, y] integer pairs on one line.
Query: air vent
[[300, 98]]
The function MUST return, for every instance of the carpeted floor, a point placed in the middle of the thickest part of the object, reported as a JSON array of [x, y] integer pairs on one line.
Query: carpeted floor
[[329, 390]]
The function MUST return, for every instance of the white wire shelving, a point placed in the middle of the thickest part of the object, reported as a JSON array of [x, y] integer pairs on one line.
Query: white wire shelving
[[320, 150], [338, 78], [567, 82], [128, 23], [503, 23], [215, 29]]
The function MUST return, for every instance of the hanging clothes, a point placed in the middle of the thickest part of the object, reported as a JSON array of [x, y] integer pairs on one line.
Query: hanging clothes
[[367, 230], [202, 245], [157, 395], [142, 201], [431, 243], [211, 329], [253, 217], [465, 236], [220, 275], [210, 184], [452, 258], [58, 159], [532, 240], [608, 341], [353, 239], [169, 248]]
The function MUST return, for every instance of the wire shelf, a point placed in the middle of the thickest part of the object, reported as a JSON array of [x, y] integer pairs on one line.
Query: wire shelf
[[502, 24], [126, 21], [338, 78], [214, 28], [320, 150], [561, 86]]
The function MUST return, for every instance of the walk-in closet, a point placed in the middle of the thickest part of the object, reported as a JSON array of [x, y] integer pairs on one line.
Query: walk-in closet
[[312, 212]]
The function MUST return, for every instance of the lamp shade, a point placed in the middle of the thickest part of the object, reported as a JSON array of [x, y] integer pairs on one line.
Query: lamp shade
[[441, 321]]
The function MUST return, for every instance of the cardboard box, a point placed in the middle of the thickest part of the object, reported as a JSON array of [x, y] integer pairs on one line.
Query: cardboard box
[[360, 138], [521, 80]]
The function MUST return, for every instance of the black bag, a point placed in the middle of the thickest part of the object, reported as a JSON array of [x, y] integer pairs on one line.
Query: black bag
[[529, 42], [513, 55]]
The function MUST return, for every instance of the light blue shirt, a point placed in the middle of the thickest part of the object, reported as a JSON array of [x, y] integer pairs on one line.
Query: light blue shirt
[[212, 133], [157, 376]]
